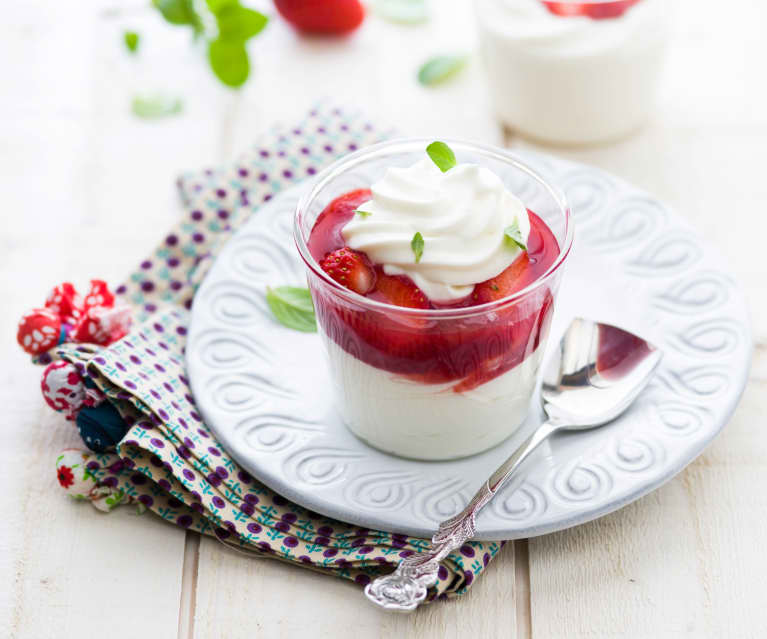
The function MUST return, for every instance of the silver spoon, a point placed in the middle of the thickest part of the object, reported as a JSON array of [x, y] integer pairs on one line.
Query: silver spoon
[[597, 371]]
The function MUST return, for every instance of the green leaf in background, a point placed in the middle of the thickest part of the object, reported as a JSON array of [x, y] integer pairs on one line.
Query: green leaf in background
[[131, 39], [417, 244], [292, 307], [153, 107], [403, 11], [229, 61], [442, 155], [440, 68], [513, 235], [237, 23], [179, 12]]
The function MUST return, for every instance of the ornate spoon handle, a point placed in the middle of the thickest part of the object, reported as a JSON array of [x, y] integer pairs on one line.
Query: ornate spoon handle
[[405, 588]]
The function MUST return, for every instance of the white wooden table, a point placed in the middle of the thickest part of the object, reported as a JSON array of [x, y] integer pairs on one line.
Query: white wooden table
[[87, 189]]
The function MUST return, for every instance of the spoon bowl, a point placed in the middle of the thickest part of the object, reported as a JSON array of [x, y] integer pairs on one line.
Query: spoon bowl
[[595, 373]]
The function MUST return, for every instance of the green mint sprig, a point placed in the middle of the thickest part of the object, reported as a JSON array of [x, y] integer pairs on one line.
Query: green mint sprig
[[363, 214], [131, 40], [417, 245], [442, 155], [234, 26], [513, 235], [292, 307]]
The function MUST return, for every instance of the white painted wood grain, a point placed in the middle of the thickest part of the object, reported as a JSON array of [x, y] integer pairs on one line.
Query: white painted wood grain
[[239, 597]]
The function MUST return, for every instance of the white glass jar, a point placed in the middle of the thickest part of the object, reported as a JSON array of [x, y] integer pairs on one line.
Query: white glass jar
[[572, 79]]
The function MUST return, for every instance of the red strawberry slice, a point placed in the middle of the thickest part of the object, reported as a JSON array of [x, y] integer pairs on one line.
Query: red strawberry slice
[[350, 269], [399, 291], [509, 281], [331, 17], [594, 10]]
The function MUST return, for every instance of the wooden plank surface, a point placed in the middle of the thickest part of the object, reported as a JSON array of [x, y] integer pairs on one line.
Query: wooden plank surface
[[686, 560]]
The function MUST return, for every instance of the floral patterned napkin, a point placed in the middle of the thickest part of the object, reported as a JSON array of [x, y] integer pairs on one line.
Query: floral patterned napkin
[[169, 462]]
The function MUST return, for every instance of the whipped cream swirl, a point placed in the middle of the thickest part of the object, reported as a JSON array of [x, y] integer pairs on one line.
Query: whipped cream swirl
[[462, 215]]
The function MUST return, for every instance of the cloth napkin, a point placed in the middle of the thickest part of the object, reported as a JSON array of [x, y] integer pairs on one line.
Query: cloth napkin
[[169, 461]]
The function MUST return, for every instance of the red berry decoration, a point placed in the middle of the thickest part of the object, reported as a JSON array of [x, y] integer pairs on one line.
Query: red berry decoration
[[329, 17], [101, 325], [63, 388], [39, 331], [65, 302], [99, 295], [594, 10], [350, 269]]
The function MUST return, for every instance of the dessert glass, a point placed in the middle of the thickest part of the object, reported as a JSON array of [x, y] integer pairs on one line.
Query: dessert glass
[[433, 383], [573, 80]]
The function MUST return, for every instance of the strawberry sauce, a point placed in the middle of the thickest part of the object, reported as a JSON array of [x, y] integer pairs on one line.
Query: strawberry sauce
[[467, 351]]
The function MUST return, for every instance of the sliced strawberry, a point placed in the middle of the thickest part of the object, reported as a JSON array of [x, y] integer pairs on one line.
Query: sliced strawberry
[[399, 291], [332, 17], [509, 281], [350, 269]]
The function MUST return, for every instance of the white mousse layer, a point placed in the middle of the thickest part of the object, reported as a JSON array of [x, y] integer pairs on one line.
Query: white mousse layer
[[571, 79], [462, 215], [429, 421]]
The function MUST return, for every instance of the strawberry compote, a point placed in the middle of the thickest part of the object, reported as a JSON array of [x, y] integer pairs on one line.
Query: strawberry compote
[[463, 353]]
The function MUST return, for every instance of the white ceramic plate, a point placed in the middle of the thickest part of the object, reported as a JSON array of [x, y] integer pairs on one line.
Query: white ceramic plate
[[263, 388]]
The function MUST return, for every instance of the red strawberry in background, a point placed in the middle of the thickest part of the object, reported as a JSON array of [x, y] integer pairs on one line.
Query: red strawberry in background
[[350, 269], [329, 17], [595, 10]]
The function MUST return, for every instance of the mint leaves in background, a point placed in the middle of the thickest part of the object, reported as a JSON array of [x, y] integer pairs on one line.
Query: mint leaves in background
[[292, 307], [402, 11], [442, 155], [227, 26], [131, 40], [440, 68], [155, 106]]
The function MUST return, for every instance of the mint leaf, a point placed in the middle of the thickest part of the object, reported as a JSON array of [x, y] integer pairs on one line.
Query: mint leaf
[[363, 214], [440, 68], [237, 23], [179, 12], [229, 61], [292, 307], [402, 11], [417, 245], [513, 235], [442, 155], [131, 39], [157, 106]]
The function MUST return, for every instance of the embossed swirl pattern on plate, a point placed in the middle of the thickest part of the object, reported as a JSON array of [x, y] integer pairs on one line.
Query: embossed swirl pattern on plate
[[525, 504], [696, 293], [698, 308], [320, 466], [384, 490], [270, 433], [629, 223]]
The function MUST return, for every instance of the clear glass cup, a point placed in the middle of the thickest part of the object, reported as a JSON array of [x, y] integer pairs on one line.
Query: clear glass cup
[[433, 383]]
